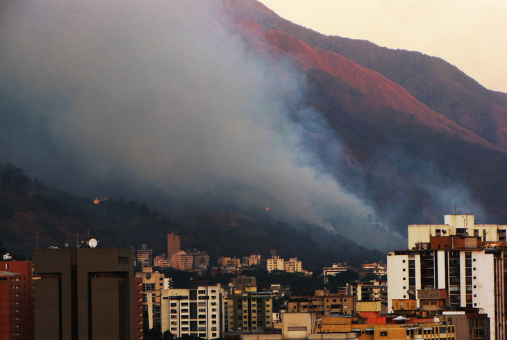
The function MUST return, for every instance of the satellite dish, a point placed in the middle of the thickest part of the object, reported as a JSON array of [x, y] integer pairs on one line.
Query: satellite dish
[[144, 246], [272, 251], [93, 243], [66, 245]]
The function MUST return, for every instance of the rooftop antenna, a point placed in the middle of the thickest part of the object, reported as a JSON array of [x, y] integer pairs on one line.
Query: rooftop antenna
[[37, 239], [456, 209]]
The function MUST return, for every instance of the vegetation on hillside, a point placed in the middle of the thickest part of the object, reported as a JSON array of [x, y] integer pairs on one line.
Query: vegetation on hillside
[[33, 214]]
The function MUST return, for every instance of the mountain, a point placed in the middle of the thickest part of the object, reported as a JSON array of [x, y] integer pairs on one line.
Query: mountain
[[420, 135], [33, 214], [211, 111]]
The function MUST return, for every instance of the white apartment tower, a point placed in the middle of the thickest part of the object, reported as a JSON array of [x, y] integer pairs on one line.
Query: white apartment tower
[[458, 264], [193, 312]]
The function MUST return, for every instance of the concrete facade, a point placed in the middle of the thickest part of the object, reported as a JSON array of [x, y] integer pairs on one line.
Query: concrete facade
[[249, 311], [455, 265], [85, 293], [193, 312], [16, 301]]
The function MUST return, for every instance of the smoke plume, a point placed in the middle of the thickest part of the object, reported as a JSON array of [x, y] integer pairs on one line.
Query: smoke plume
[[154, 99]]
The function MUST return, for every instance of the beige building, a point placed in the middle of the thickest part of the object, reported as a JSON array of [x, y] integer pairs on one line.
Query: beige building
[[161, 261], [252, 260], [275, 263], [152, 283], [228, 264], [182, 261], [322, 303], [293, 266], [335, 269]]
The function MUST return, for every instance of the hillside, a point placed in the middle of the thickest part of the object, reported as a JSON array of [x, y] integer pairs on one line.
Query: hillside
[[32, 213], [418, 133]]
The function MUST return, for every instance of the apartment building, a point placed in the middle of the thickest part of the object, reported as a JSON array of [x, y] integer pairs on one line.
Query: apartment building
[[275, 263], [193, 312], [335, 269], [368, 290], [249, 311], [252, 260], [322, 302], [182, 261], [455, 265], [152, 284], [16, 301], [293, 266], [242, 283], [144, 256], [229, 264]]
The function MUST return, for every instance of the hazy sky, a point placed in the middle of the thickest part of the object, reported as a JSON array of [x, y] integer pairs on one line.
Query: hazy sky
[[469, 34]]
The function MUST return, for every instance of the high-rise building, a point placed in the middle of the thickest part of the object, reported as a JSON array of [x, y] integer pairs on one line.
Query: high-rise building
[[173, 244], [152, 284], [458, 264], [86, 293], [249, 311], [16, 300], [193, 312]]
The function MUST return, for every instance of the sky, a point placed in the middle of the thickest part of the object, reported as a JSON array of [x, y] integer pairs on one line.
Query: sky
[[470, 34]]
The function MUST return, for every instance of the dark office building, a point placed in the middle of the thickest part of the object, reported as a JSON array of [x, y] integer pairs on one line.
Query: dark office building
[[85, 293]]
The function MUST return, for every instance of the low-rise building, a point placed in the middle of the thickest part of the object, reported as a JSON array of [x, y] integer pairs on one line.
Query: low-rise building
[[335, 269]]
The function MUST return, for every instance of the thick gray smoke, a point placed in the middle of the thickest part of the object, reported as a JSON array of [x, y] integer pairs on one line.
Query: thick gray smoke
[[103, 98]]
